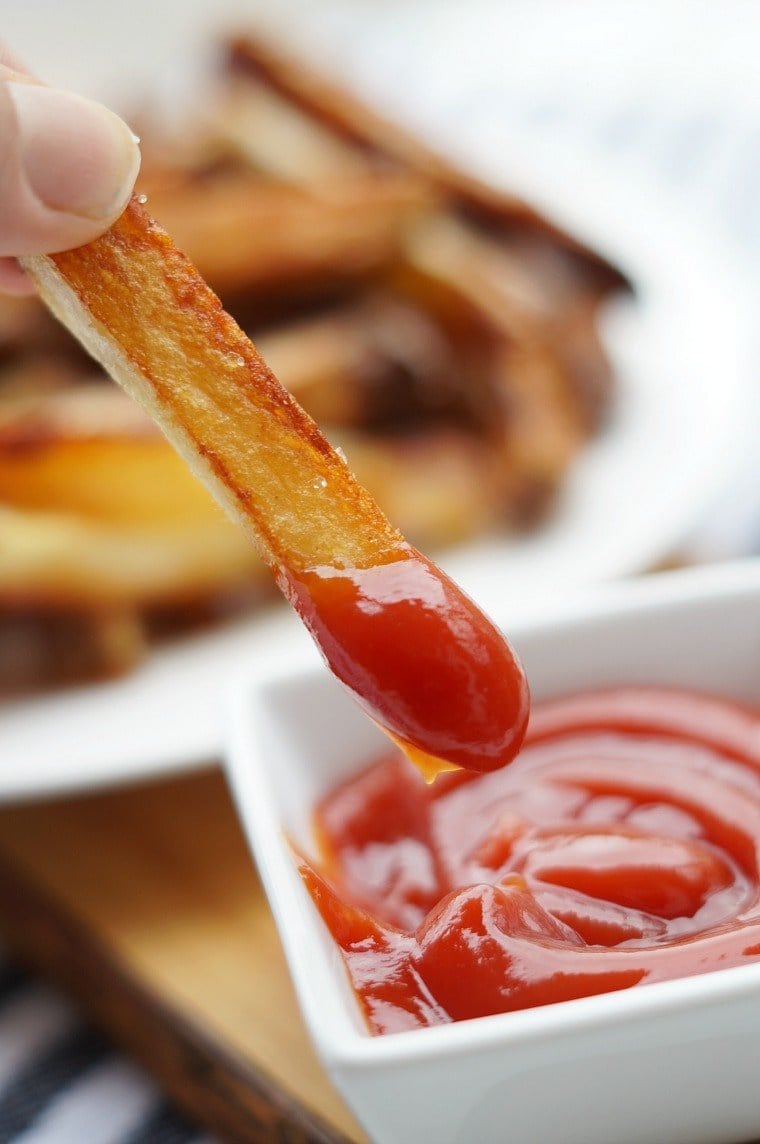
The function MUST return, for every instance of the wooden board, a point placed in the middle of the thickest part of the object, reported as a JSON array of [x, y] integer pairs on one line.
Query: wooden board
[[144, 905]]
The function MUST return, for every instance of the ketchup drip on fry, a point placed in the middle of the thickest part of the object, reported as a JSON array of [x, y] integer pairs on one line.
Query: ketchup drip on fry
[[621, 847], [422, 660]]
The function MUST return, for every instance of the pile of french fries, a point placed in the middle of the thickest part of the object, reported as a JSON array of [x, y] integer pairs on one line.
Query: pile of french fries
[[443, 335]]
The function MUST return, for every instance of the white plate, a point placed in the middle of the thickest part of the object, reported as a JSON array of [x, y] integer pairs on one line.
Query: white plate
[[684, 405]]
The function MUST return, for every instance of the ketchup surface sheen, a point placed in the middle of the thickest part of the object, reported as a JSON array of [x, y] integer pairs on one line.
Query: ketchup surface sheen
[[420, 657], [621, 847]]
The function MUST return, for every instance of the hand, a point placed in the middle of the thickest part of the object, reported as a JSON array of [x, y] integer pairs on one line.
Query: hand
[[67, 168]]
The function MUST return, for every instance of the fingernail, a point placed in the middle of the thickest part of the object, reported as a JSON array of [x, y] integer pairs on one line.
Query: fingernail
[[77, 156]]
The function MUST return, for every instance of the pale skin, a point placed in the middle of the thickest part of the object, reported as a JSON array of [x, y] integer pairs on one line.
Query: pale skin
[[67, 169]]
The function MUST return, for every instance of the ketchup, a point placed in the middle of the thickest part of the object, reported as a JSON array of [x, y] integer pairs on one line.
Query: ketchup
[[420, 657], [621, 847]]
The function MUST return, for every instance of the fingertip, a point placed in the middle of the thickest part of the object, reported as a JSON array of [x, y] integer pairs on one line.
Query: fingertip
[[75, 167]]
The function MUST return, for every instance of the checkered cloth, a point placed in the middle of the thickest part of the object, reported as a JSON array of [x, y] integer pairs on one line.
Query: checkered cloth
[[62, 1083]]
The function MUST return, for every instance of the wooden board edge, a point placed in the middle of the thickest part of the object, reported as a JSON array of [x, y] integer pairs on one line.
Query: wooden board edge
[[210, 1084]]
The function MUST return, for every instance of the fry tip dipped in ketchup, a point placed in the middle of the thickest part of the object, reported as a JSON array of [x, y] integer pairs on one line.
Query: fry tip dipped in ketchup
[[417, 654], [421, 659]]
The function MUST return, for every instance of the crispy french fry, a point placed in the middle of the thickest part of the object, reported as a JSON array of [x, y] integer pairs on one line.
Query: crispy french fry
[[461, 374], [140, 307]]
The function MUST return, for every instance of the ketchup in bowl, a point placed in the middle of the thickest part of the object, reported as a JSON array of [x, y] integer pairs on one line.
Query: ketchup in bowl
[[620, 847]]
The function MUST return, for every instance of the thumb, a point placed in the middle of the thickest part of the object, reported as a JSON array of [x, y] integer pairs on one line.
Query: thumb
[[67, 167]]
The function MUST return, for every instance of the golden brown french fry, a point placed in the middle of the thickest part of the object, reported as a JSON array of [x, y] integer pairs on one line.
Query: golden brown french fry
[[95, 477], [140, 307]]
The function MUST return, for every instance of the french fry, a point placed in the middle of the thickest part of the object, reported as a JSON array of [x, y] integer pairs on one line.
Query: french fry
[[246, 234], [25, 324], [377, 365], [43, 648], [19, 319], [139, 307], [91, 452], [277, 137], [59, 560], [98, 510], [371, 134]]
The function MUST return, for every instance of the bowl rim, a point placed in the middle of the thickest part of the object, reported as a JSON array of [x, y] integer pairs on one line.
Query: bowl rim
[[343, 1047]]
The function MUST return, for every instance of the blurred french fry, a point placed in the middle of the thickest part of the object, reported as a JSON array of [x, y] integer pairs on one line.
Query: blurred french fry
[[445, 252], [59, 560], [440, 487], [245, 234], [538, 403], [42, 647], [539, 433], [586, 367], [341, 113], [276, 137], [25, 324], [37, 376], [90, 451], [377, 364], [97, 507]]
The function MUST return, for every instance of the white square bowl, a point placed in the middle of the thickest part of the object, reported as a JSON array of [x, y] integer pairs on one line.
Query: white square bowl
[[673, 1061]]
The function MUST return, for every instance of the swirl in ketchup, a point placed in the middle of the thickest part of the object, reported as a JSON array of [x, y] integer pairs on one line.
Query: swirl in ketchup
[[420, 657], [621, 847]]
